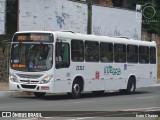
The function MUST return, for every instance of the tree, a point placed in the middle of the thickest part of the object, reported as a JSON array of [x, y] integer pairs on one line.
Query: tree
[[12, 11], [11, 20], [150, 14], [157, 2]]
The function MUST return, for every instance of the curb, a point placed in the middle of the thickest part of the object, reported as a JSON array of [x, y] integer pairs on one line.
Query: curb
[[13, 93], [8, 93]]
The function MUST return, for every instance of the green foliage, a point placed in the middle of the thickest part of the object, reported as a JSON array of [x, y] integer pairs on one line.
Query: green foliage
[[152, 25], [150, 14], [12, 11], [11, 21], [157, 3]]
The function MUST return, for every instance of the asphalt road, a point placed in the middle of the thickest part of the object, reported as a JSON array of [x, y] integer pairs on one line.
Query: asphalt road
[[89, 106]]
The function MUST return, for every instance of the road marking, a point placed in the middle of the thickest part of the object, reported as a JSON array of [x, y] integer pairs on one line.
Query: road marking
[[155, 85], [33, 118], [23, 119], [155, 110], [83, 118], [142, 109], [5, 106], [48, 117], [111, 115]]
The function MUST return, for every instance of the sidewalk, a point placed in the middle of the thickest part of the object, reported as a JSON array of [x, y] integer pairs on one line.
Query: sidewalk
[[4, 86], [4, 91]]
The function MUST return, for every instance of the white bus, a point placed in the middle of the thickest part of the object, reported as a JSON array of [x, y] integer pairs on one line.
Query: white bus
[[66, 62]]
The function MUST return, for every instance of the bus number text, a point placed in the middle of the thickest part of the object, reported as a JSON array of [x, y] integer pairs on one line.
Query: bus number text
[[79, 67]]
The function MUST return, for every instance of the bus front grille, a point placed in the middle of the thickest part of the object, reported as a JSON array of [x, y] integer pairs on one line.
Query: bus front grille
[[30, 81], [29, 86], [30, 76]]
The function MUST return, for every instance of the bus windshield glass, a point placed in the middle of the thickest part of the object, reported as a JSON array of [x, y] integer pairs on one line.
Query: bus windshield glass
[[31, 57]]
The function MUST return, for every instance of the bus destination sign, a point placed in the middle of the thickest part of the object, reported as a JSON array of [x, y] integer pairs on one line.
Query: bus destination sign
[[48, 37]]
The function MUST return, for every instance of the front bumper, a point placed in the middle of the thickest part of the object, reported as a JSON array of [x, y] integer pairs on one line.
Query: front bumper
[[28, 87]]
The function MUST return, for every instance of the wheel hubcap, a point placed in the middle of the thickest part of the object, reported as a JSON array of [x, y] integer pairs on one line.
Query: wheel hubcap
[[76, 88], [132, 87]]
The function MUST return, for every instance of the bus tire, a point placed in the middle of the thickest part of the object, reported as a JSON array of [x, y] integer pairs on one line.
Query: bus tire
[[76, 89], [131, 86], [39, 94]]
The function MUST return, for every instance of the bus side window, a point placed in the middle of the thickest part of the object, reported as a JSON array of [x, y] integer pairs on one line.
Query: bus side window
[[106, 52], [91, 51], [132, 54], [143, 54], [62, 57], [152, 55], [120, 53], [77, 50]]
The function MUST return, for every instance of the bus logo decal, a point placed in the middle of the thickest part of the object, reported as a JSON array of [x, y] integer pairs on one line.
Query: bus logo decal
[[28, 81], [111, 70], [125, 66]]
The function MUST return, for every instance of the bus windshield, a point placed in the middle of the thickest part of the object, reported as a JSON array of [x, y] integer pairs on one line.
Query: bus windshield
[[31, 57]]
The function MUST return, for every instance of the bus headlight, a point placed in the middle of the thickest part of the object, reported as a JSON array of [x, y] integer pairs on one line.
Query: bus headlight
[[46, 79], [13, 78]]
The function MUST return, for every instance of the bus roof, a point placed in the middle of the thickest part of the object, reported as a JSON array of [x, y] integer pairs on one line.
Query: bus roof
[[78, 36]]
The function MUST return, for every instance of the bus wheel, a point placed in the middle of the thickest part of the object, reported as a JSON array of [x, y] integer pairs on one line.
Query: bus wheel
[[131, 86], [39, 95], [76, 90]]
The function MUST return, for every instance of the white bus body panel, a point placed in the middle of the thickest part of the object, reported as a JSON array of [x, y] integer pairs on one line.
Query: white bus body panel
[[96, 76]]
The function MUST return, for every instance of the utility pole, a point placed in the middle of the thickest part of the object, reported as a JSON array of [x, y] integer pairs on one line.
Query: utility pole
[[89, 24]]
